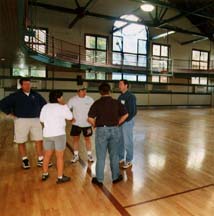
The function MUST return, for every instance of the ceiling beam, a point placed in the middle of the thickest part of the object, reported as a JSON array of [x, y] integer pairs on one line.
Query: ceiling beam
[[180, 30], [80, 13], [173, 6], [111, 18], [186, 14], [194, 40], [87, 13]]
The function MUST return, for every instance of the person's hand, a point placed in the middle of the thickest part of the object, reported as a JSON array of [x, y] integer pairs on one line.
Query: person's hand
[[73, 120], [12, 116]]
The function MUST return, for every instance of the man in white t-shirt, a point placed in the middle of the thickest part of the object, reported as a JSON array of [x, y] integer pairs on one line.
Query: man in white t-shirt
[[80, 105]]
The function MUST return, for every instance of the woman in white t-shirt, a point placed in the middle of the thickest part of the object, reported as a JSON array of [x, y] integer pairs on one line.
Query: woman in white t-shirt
[[53, 116]]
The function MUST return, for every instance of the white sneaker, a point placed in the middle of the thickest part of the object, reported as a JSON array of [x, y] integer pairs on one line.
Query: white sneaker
[[75, 159], [90, 158]]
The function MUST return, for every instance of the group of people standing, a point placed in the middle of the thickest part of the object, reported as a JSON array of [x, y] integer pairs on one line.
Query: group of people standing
[[113, 121]]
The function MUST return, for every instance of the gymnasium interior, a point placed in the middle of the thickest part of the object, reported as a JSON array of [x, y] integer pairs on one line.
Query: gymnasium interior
[[165, 49]]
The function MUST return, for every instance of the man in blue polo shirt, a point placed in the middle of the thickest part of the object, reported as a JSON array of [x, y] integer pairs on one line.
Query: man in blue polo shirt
[[126, 142], [25, 105]]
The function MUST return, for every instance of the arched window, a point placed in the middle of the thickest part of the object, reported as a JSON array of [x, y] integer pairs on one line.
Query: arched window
[[129, 42]]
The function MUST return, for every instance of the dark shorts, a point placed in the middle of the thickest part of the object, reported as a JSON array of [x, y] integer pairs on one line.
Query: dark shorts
[[76, 131]]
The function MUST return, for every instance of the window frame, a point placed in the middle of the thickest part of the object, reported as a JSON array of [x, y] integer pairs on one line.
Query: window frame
[[159, 44], [200, 61], [95, 49], [31, 43], [29, 69], [123, 53], [199, 80], [161, 57]]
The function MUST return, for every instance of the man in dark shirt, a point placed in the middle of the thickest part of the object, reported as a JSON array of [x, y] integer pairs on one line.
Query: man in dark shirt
[[106, 114], [25, 105], [126, 142]]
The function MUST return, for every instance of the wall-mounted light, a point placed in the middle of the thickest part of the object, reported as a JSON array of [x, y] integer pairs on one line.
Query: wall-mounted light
[[147, 7]]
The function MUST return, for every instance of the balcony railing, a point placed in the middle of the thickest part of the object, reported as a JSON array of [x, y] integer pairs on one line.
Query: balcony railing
[[76, 54]]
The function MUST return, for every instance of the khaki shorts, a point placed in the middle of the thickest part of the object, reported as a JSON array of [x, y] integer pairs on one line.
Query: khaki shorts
[[25, 127]]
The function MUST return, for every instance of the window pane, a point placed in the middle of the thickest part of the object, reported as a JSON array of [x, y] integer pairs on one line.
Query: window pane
[[196, 55], [38, 72], [142, 78], [101, 43], [90, 56], [117, 58], [203, 80], [203, 66], [164, 51], [130, 77], [119, 24], [163, 79], [204, 56], [90, 42], [195, 80], [42, 36], [101, 76], [130, 59], [195, 65], [116, 76], [142, 47], [90, 75], [117, 44], [142, 61], [130, 44], [101, 57], [41, 48], [155, 78], [156, 50], [20, 72], [26, 39]]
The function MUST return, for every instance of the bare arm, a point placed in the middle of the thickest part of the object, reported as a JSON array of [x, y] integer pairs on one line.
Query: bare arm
[[123, 118], [92, 121]]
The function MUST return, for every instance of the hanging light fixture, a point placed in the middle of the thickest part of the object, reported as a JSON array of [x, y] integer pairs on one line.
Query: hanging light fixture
[[147, 7]]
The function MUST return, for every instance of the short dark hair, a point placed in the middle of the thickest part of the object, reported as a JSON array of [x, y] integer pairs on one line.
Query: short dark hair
[[125, 82], [54, 95], [104, 88], [24, 79]]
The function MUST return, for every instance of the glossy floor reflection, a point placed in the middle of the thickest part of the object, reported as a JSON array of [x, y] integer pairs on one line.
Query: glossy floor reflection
[[172, 173]]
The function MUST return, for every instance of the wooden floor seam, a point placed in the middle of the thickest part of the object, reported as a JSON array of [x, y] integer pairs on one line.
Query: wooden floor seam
[[168, 196], [105, 191], [116, 203]]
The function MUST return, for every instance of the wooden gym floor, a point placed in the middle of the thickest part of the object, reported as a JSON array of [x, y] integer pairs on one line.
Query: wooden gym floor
[[173, 173]]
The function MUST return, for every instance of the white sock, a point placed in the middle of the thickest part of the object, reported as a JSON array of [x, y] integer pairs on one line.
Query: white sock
[[76, 152], [89, 152], [59, 177], [40, 158], [25, 157]]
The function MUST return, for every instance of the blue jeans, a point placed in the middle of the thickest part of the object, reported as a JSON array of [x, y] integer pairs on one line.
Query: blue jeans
[[107, 138], [126, 141]]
